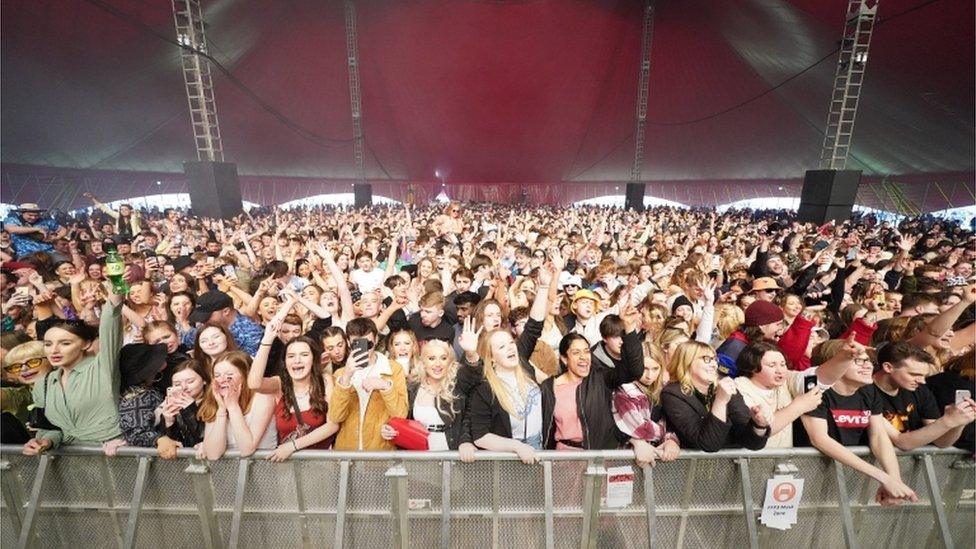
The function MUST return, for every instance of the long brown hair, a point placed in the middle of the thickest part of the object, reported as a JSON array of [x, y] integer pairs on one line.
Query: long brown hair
[[241, 361], [317, 400]]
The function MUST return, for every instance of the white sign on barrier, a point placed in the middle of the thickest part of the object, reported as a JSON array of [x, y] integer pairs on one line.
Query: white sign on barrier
[[783, 495], [620, 486]]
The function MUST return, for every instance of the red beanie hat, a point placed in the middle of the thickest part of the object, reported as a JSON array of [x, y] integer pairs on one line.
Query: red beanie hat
[[761, 313]]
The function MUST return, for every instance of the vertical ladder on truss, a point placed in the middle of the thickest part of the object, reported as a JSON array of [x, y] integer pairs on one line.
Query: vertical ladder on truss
[[352, 52], [848, 81], [645, 70], [188, 16]]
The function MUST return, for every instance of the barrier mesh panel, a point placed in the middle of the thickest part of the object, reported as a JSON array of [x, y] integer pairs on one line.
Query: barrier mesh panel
[[373, 531], [262, 530], [79, 528], [224, 475], [320, 483], [493, 504], [270, 487], [77, 480], [471, 487], [157, 530], [321, 530], [471, 532], [8, 534], [369, 489], [168, 486]]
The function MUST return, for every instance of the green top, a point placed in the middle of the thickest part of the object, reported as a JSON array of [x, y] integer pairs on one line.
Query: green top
[[16, 400], [87, 409]]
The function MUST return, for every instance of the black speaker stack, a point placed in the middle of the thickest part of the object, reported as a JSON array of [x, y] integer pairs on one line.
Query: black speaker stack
[[214, 188], [634, 199], [828, 195]]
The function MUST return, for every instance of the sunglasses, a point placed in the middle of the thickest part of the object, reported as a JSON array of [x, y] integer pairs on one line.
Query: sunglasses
[[29, 364]]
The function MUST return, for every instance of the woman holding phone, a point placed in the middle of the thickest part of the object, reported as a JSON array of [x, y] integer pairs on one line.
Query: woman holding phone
[[179, 424]]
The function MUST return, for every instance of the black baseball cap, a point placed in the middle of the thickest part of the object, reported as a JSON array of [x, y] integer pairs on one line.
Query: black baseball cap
[[209, 303]]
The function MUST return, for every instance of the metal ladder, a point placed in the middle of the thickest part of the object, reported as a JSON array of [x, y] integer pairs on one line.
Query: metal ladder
[[188, 16], [352, 52], [848, 80], [645, 69]]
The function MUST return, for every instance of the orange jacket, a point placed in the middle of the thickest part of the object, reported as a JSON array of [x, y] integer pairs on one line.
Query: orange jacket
[[360, 429]]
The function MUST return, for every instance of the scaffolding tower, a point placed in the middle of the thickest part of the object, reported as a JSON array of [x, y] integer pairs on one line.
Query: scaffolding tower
[[848, 81], [352, 53], [645, 70], [188, 16]]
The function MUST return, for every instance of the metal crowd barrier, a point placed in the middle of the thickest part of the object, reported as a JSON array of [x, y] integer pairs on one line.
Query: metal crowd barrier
[[76, 497]]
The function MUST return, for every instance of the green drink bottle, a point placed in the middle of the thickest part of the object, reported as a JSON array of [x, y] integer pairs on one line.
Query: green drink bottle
[[114, 269]]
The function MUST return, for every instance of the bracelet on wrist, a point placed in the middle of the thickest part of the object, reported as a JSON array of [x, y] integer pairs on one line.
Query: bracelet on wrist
[[294, 444]]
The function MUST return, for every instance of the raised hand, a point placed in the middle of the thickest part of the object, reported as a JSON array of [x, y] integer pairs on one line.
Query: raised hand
[[468, 339]]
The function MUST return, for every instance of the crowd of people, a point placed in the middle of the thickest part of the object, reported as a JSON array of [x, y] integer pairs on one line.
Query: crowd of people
[[488, 327]]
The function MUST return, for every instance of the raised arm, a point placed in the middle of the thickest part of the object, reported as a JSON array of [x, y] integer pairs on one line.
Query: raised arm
[[255, 376], [938, 326], [345, 296]]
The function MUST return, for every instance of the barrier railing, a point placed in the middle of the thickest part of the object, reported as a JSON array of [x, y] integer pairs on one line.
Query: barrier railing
[[76, 497]]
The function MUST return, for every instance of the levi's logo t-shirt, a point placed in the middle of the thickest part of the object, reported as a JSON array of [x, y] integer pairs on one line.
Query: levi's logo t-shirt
[[851, 419], [848, 417]]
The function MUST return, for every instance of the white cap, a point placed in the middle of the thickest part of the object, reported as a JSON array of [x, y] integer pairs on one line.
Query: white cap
[[569, 279]]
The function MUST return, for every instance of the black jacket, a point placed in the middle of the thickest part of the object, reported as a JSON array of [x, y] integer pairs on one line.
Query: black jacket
[[187, 429], [697, 429], [484, 412], [593, 398], [457, 428]]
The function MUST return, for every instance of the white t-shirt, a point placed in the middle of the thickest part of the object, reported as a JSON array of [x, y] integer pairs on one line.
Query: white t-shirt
[[527, 422], [367, 281], [776, 399]]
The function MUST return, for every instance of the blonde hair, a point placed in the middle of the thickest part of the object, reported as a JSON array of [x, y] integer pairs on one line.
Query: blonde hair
[[414, 350], [446, 393], [653, 391], [728, 318], [669, 336], [501, 394], [24, 352], [684, 356]]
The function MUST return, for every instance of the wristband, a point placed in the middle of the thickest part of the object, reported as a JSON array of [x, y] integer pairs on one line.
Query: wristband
[[266, 344], [294, 444]]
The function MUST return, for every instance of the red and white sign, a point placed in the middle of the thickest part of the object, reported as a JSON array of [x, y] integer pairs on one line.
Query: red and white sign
[[852, 419], [782, 500]]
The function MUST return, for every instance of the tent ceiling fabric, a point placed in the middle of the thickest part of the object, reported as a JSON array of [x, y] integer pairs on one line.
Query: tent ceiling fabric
[[490, 92]]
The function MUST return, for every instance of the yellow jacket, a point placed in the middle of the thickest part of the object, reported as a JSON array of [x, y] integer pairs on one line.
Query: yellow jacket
[[359, 425]]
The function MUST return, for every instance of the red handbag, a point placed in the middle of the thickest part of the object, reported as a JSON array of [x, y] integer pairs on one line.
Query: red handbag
[[411, 434]]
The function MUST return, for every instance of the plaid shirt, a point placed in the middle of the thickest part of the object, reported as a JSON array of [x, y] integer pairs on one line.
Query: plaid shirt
[[633, 413]]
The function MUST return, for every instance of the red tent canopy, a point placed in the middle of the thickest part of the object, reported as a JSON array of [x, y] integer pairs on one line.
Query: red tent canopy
[[492, 95]]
